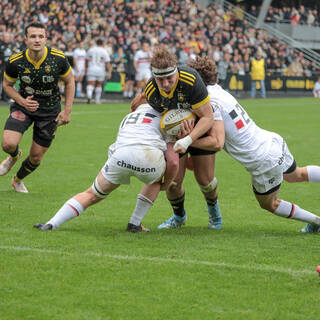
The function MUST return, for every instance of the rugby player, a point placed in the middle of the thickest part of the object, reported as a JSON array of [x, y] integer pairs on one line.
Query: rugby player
[[264, 154], [173, 87], [140, 151], [38, 101], [96, 68]]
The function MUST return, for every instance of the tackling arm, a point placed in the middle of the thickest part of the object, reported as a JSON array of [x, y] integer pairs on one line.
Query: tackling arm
[[172, 166]]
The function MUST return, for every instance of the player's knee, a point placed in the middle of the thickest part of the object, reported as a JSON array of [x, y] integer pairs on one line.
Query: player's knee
[[270, 206], [36, 158], [209, 187], [8, 146], [97, 190]]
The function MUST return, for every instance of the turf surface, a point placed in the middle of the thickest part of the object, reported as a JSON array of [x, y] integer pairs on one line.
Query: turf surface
[[257, 267]]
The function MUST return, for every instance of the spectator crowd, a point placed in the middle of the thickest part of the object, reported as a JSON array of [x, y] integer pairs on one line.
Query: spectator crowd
[[183, 26]]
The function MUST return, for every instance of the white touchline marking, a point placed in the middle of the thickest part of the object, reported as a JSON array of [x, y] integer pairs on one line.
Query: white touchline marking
[[262, 268]]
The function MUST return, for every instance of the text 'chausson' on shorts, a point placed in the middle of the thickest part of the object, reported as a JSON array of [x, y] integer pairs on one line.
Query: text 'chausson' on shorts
[[146, 163]]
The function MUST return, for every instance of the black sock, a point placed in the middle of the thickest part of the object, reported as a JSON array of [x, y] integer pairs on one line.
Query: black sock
[[26, 168], [15, 152], [178, 206]]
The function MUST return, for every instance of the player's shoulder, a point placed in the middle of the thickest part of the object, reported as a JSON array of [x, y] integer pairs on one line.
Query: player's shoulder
[[56, 53], [188, 76], [16, 57], [150, 88]]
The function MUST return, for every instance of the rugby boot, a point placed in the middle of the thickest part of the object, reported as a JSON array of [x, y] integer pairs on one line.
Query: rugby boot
[[215, 217], [44, 226], [19, 186], [8, 163], [173, 222], [311, 228], [134, 229]]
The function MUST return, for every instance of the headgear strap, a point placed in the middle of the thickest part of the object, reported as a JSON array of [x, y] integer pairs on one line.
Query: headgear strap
[[161, 73]]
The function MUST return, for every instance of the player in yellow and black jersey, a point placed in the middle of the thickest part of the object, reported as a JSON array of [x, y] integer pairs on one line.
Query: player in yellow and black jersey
[[173, 87], [38, 102]]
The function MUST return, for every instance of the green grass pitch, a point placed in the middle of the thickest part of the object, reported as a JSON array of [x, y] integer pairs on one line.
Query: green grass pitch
[[258, 267]]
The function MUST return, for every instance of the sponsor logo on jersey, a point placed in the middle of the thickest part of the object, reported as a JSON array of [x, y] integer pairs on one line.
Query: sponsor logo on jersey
[[27, 70], [233, 114], [26, 79], [18, 115], [135, 168], [29, 90], [47, 68]]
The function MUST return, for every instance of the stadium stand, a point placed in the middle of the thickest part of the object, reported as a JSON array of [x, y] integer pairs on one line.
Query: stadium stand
[[224, 32]]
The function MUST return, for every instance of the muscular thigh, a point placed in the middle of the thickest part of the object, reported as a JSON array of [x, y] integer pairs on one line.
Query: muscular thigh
[[203, 168]]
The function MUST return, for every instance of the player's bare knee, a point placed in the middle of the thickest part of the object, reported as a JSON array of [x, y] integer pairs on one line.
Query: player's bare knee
[[270, 206], [8, 146]]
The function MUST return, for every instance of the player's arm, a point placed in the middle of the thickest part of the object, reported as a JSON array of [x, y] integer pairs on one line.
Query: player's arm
[[204, 124], [64, 115], [27, 103], [137, 101], [215, 139], [172, 166]]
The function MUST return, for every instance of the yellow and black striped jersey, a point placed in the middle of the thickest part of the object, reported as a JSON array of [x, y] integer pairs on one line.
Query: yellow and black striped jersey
[[189, 92], [39, 79]]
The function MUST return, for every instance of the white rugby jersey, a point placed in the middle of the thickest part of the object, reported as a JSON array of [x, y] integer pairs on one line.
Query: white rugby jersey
[[97, 58], [80, 56], [142, 127], [143, 58], [244, 140]]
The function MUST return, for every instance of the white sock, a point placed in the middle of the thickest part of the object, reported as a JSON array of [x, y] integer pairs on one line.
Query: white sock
[[142, 207], [98, 93], [71, 209], [313, 173], [79, 87], [89, 91], [291, 210]]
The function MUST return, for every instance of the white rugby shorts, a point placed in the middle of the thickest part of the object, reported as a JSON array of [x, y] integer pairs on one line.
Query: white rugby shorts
[[278, 160], [146, 163], [143, 74]]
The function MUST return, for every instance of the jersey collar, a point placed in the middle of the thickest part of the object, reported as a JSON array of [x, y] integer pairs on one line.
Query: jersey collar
[[38, 63]]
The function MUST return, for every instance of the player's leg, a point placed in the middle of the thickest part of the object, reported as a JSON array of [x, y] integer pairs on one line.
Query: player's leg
[[305, 174], [99, 190], [10, 145], [98, 91], [203, 167], [176, 195], [145, 200], [285, 209], [17, 123], [91, 80]]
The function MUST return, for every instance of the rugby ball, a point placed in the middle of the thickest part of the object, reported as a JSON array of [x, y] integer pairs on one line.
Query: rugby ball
[[171, 120]]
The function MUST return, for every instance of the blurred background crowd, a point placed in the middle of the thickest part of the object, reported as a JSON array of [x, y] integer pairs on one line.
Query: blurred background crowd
[[183, 25]]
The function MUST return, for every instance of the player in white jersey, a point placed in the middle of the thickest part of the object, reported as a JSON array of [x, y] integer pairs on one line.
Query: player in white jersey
[[140, 151], [79, 63], [263, 153], [97, 68], [141, 62]]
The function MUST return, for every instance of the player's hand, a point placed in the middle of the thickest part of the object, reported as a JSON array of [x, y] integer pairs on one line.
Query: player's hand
[[63, 118], [30, 105], [185, 128], [137, 101]]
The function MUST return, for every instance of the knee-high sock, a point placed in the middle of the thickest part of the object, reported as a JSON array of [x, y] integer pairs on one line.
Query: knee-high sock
[[71, 209], [89, 91], [142, 207], [291, 210], [313, 173], [98, 94]]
